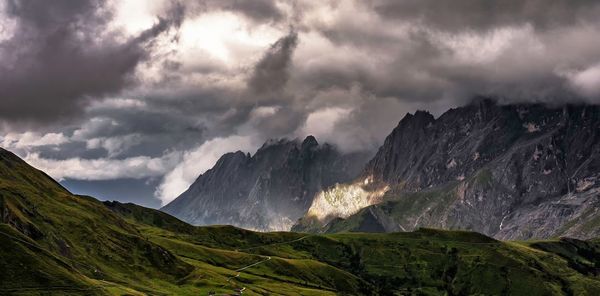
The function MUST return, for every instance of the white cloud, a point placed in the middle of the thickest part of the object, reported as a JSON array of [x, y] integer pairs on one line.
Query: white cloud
[[197, 161], [134, 16], [104, 169], [7, 25], [321, 123], [222, 35], [472, 47], [32, 139], [587, 82], [263, 111], [115, 145], [117, 103], [95, 126]]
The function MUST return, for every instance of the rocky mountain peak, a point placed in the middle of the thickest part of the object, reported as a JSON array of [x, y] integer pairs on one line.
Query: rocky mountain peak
[[269, 190], [309, 142], [232, 158], [419, 119], [496, 169]]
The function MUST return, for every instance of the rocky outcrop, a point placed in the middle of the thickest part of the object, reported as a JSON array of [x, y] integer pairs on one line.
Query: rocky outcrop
[[269, 190], [512, 172]]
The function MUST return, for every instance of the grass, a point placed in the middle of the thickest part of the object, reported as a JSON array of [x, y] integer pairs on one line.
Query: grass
[[427, 261]]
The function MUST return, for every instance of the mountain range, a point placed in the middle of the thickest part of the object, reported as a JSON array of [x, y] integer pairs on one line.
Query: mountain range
[[53, 242], [515, 171], [269, 190]]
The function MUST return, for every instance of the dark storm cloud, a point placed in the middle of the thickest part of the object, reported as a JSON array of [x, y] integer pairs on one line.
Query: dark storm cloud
[[62, 53], [256, 10], [426, 51], [271, 73], [484, 15], [401, 75]]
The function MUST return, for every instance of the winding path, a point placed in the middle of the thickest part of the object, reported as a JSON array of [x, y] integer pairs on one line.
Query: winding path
[[239, 270]]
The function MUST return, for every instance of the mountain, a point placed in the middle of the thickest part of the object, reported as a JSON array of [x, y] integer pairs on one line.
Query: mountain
[[55, 243], [508, 171], [269, 190], [54, 240]]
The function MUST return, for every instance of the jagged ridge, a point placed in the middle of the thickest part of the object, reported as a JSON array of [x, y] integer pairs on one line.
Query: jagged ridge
[[514, 171], [267, 191]]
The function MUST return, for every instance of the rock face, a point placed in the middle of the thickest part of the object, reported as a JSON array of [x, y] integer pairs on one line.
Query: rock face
[[269, 190], [512, 172]]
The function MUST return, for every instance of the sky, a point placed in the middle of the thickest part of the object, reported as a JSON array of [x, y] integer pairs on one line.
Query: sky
[[132, 100]]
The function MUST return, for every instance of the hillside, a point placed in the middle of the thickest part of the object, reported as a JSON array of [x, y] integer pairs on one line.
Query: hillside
[[56, 243], [427, 261], [267, 191], [508, 171], [73, 239]]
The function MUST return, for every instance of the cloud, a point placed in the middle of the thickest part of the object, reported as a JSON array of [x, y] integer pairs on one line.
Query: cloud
[[115, 145], [32, 139], [426, 51], [257, 10], [475, 15], [321, 123], [271, 73], [103, 169], [197, 161], [587, 81], [63, 54]]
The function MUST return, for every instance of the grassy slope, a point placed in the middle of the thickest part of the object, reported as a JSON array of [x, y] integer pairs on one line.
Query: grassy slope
[[424, 262], [219, 251], [80, 231], [40, 270], [453, 262]]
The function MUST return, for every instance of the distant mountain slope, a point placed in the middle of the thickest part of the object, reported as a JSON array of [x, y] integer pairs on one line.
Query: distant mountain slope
[[267, 191], [512, 172]]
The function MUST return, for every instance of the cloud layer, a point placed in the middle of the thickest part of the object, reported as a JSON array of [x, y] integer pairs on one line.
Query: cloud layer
[[101, 90], [61, 55]]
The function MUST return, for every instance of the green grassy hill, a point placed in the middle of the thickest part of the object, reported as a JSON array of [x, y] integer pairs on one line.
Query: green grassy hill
[[55, 243]]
